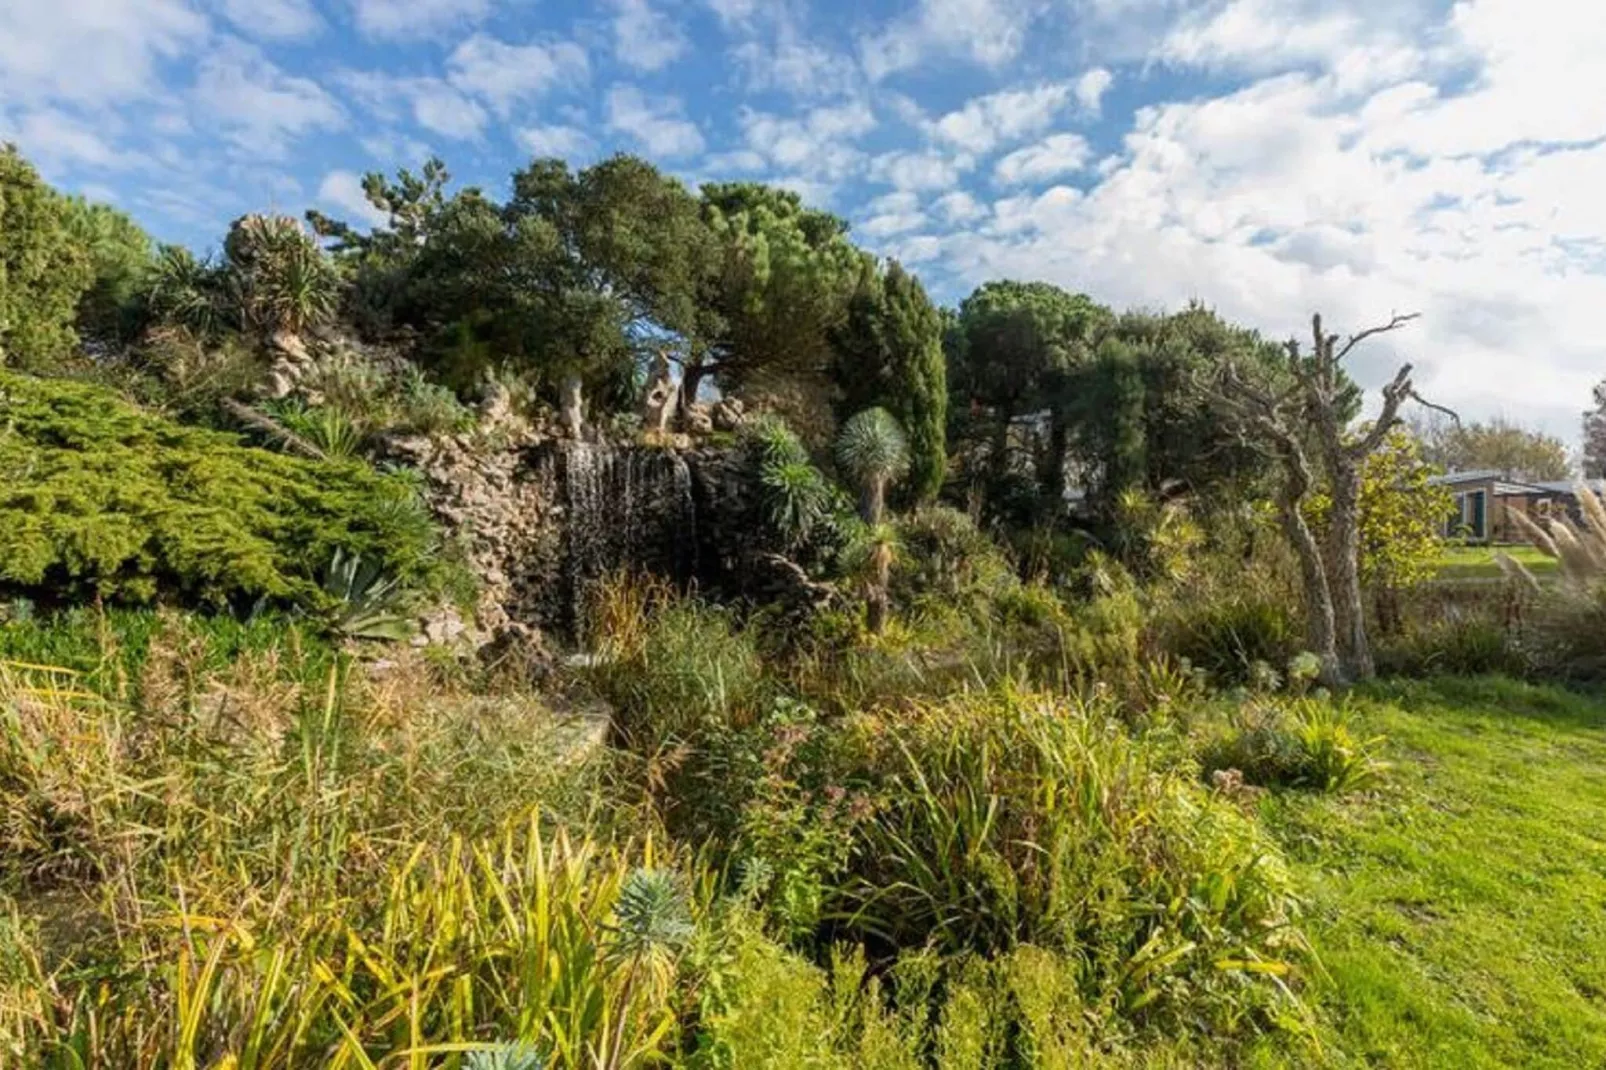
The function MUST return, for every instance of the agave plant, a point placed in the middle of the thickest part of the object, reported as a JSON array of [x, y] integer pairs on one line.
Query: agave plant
[[364, 603]]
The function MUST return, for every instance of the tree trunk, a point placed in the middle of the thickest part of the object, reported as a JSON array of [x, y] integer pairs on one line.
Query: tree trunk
[[876, 609], [571, 403], [1344, 573], [691, 380], [1320, 632]]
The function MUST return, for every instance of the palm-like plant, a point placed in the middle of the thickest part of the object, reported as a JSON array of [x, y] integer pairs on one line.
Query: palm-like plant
[[872, 450], [280, 278], [183, 291]]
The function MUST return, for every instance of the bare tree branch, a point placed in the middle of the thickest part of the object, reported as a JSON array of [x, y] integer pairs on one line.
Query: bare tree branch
[[1396, 321]]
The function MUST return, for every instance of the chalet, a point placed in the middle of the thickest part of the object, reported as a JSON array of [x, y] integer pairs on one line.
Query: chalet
[[1486, 499]]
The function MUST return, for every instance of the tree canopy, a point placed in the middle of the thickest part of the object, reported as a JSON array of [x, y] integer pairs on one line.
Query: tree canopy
[[44, 270]]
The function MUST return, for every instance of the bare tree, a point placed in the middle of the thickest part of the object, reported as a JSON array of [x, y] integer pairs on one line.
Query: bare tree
[[1309, 412]]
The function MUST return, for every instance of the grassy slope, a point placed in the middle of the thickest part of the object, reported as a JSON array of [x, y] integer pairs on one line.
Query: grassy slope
[[1462, 914]]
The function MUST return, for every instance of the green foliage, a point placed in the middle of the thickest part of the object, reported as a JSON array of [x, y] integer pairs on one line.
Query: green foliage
[[889, 354], [1499, 445], [186, 293], [1229, 635], [100, 499], [1009, 819], [1306, 743], [44, 269], [872, 450], [1401, 514], [120, 257], [278, 278], [363, 603]]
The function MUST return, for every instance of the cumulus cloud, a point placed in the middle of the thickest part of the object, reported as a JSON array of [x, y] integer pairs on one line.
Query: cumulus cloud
[[505, 74], [818, 143], [1091, 87], [892, 213], [342, 192], [988, 33], [918, 171], [645, 39], [566, 142], [659, 126], [1052, 157], [987, 122], [433, 103], [91, 51]]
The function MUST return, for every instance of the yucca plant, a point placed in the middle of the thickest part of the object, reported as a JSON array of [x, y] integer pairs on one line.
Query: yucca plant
[[872, 450], [280, 278], [183, 291]]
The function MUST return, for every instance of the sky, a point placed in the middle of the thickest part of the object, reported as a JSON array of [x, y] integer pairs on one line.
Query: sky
[[1270, 158]]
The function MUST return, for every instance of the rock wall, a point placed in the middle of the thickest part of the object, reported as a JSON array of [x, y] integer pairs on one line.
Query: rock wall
[[540, 518]]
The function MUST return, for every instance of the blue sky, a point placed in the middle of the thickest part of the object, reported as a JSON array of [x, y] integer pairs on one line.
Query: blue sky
[[1271, 157]]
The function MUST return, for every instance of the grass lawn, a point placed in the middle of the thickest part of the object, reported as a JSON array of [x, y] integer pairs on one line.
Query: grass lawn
[[1461, 910], [1478, 562]]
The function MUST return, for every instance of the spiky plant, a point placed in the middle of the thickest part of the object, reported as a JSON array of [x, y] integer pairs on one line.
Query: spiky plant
[[184, 291], [652, 925], [363, 602], [505, 1057], [872, 450], [279, 277]]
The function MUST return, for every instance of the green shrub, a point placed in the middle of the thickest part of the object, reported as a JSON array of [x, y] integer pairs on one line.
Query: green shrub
[[685, 669], [1005, 820], [1458, 644], [1306, 743], [44, 268], [1229, 636], [99, 499]]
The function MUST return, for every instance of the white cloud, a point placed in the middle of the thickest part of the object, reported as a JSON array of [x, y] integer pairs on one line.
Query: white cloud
[[733, 12], [1091, 87], [342, 191], [985, 123], [893, 213], [52, 138], [959, 207], [1052, 157], [261, 109], [918, 170], [645, 39], [91, 51], [1259, 34], [659, 126], [432, 103], [796, 66], [819, 143], [274, 20], [395, 150], [505, 74], [404, 19], [567, 142], [985, 32]]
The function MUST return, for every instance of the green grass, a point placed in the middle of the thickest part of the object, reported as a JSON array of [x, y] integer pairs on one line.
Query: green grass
[[1459, 913], [1478, 562]]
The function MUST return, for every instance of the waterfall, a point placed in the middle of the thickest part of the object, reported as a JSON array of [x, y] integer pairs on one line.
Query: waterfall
[[623, 507]]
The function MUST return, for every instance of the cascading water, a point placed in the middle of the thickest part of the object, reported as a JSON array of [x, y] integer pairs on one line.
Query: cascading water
[[622, 507]]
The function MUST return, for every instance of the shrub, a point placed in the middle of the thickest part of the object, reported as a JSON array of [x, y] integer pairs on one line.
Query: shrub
[[44, 269], [1458, 643], [1228, 636], [687, 669], [99, 499], [1004, 820], [1306, 743]]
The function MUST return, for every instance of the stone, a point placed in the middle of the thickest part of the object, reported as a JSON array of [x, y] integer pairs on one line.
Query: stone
[[662, 397], [728, 414], [699, 420]]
